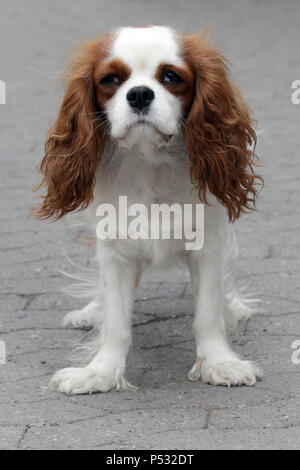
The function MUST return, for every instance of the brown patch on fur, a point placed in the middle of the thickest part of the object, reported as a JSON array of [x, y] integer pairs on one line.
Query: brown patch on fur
[[185, 89], [75, 142], [219, 130], [114, 67]]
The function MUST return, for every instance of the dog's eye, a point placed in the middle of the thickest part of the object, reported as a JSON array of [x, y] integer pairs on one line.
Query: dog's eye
[[110, 80], [171, 77]]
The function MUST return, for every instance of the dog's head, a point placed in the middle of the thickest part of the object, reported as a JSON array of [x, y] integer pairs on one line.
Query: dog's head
[[150, 84]]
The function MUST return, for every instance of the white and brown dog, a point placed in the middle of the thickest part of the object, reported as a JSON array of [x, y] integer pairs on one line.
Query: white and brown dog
[[151, 114]]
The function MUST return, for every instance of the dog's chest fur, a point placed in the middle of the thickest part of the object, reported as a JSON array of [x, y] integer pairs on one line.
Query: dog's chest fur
[[146, 176]]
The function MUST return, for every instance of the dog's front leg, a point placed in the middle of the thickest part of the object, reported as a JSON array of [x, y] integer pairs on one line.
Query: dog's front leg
[[106, 370], [216, 362]]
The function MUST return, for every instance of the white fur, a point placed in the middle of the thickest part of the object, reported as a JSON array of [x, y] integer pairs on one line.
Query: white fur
[[143, 50], [149, 169]]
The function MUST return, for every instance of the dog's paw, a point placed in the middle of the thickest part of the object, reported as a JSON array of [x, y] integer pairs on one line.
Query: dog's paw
[[89, 317], [227, 373], [76, 319], [75, 381]]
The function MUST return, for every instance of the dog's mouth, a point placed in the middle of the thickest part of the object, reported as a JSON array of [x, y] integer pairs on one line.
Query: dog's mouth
[[143, 125], [140, 123]]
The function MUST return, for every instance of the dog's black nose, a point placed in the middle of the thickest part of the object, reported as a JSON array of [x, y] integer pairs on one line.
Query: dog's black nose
[[140, 98]]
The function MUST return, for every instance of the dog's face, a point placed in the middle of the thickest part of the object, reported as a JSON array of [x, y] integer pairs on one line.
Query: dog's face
[[147, 85], [144, 84]]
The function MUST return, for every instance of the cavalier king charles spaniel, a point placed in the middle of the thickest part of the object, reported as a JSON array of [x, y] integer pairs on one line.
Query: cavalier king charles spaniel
[[151, 114]]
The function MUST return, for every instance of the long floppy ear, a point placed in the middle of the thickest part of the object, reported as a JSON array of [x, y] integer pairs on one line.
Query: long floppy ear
[[75, 142], [219, 131]]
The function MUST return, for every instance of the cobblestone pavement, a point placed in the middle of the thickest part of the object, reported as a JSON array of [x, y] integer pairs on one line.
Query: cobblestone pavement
[[261, 39]]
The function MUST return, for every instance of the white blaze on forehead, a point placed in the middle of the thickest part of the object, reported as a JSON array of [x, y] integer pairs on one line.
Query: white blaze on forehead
[[143, 49]]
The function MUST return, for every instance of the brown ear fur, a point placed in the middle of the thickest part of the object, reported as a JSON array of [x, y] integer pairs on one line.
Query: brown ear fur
[[219, 131], [75, 142]]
